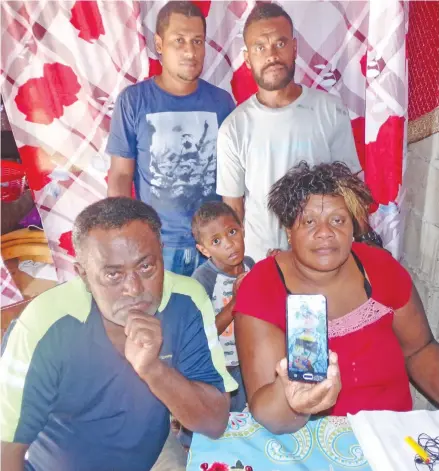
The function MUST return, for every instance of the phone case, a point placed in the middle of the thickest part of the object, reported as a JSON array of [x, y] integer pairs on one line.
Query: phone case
[[307, 337]]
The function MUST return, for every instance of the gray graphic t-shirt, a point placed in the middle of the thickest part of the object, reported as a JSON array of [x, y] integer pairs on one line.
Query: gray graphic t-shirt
[[219, 287], [173, 141]]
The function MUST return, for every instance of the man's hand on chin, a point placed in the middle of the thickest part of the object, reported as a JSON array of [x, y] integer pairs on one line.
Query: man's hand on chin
[[143, 343]]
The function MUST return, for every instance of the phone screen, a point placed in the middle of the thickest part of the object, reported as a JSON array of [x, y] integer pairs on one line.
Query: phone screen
[[307, 337]]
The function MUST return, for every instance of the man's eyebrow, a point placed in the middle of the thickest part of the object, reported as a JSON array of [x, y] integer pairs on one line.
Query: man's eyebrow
[[185, 33], [140, 260]]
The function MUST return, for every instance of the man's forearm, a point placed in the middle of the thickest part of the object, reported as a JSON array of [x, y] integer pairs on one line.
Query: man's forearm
[[423, 368], [270, 408], [237, 204], [12, 456], [197, 406], [17, 464], [120, 185]]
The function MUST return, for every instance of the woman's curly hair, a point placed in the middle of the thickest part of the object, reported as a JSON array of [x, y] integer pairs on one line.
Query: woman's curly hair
[[289, 195]]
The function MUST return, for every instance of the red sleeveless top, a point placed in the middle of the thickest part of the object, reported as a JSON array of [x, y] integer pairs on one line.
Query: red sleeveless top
[[371, 361]]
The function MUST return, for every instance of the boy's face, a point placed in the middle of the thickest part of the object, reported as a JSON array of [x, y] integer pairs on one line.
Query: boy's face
[[222, 240]]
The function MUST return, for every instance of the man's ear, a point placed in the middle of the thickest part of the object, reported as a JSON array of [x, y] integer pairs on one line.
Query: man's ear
[[158, 42], [80, 271], [246, 59], [294, 48], [203, 250]]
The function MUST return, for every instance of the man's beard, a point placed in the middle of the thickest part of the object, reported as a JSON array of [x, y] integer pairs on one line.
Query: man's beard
[[271, 86], [187, 78]]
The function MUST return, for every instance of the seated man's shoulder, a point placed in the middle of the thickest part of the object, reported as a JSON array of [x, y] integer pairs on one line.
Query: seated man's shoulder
[[184, 299], [69, 298], [186, 286]]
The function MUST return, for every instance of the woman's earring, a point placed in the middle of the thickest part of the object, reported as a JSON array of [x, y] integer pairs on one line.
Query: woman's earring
[[289, 240]]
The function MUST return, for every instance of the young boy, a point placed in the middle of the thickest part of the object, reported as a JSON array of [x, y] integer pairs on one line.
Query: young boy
[[219, 237]]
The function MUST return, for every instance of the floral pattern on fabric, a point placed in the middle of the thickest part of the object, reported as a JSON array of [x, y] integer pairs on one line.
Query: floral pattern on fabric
[[324, 444]]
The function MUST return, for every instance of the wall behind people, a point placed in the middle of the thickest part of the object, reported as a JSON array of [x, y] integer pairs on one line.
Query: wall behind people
[[64, 63], [420, 243]]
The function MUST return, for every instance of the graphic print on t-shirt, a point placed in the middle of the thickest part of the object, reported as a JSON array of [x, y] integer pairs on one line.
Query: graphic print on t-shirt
[[222, 294], [183, 156]]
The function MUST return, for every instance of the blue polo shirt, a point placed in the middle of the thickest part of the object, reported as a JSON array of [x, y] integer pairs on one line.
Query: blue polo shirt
[[68, 393]]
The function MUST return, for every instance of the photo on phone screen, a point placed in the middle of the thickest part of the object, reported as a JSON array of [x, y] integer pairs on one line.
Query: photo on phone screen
[[307, 337]]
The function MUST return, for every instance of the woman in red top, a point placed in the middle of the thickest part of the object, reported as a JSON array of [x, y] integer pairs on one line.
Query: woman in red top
[[376, 322]]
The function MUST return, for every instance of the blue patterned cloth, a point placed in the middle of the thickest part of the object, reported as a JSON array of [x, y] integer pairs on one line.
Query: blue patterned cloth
[[325, 444]]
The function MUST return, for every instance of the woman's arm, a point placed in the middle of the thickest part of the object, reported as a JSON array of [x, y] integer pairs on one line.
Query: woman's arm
[[420, 349], [280, 405]]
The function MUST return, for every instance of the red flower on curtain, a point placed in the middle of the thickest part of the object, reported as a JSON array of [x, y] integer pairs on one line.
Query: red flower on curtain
[[363, 64], [155, 68], [243, 84], [38, 166], [384, 161], [43, 99], [65, 242], [371, 66], [359, 132], [203, 5], [87, 19], [238, 7], [381, 159]]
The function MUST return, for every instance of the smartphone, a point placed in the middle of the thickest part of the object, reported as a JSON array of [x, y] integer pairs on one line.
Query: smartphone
[[307, 337]]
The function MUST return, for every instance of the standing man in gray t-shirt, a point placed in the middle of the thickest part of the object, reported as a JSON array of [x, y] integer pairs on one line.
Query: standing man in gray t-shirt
[[275, 129]]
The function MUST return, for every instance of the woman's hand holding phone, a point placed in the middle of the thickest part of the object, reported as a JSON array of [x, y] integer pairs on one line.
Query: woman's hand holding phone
[[311, 398]]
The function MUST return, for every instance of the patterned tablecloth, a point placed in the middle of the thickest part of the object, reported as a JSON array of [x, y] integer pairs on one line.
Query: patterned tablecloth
[[325, 444]]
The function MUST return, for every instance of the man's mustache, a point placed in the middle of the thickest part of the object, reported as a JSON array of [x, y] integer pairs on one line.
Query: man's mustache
[[273, 64], [127, 303]]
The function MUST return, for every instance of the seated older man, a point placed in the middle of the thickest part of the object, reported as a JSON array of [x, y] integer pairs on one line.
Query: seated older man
[[93, 368]]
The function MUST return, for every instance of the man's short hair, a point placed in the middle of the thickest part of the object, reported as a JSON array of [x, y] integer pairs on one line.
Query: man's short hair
[[208, 212], [188, 9], [112, 213], [265, 11]]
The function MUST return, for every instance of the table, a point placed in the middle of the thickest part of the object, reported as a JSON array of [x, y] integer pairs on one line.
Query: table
[[324, 444]]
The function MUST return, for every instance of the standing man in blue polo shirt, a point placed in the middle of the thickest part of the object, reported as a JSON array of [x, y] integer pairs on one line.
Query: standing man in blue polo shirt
[[164, 131], [93, 368]]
